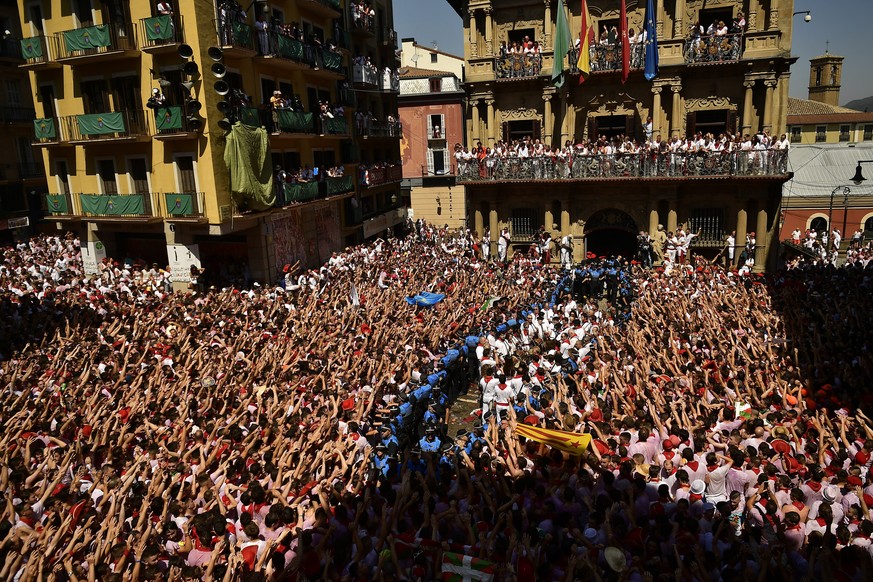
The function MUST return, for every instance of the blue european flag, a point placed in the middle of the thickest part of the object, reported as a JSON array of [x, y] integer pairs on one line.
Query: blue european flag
[[651, 70]]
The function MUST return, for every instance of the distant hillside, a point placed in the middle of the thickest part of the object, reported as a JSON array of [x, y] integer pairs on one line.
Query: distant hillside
[[865, 104]]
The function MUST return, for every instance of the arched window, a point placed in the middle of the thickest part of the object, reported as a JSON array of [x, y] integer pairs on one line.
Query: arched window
[[868, 225], [819, 224]]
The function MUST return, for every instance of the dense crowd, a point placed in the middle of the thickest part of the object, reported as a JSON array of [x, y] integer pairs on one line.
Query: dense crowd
[[311, 430], [733, 153]]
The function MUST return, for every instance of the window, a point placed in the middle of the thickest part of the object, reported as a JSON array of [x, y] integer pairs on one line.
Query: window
[[714, 121], [436, 127], [821, 133], [434, 57], [868, 132], [819, 224], [25, 152], [818, 76], [436, 161], [13, 92], [525, 222], [610, 126], [796, 133], [63, 176], [106, 171], [82, 9], [35, 12], [845, 132], [714, 16], [868, 225], [436, 85], [710, 223], [517, 130], [519, 35], [187, 177], [139, 175], [95, 96]]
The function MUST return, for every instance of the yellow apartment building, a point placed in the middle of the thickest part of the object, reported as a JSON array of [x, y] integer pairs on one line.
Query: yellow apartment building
[[149, 180], [707, 82]]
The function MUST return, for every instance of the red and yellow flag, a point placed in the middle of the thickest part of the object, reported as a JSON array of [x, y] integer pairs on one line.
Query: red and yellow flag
[[570, 442], [583, 63]]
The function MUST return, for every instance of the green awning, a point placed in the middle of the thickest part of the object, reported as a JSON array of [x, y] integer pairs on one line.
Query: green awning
[[31, 48], [168, 118], [101, 123], [296, 121], [57, 204], [83, 39], [159, 28], [179, 204], [44, 128], [290, 48], [112, 205]]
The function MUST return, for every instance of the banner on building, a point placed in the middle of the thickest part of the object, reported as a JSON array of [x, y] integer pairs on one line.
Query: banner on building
[[179, 204], [112, 205], [57, 204], [83, 39], [168, 118], [44, 129], [31, 48], [100, 123], [181, 258], [159, 28]]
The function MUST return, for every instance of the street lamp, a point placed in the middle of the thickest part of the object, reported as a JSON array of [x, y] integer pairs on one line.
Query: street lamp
[[806, 18], [859, 177], [846, 191]]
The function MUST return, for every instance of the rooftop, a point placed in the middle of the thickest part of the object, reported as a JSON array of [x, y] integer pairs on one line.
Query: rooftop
[[819, 168], [415, 73], [802, 111]]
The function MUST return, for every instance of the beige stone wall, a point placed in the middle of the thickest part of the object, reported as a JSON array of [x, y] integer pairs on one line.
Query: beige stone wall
[[440, 205]]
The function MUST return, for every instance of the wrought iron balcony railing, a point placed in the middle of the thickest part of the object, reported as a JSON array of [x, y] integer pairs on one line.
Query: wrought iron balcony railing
[[714, 49], [96, 40], [607, 57], [39, 50], [372, 128], [162, 30], [99, 126], [371, 177], [183, 204], [516, 66], [640, 165]]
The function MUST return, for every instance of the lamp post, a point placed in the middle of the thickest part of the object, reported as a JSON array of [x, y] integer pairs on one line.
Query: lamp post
[[806, 18], [846, 191]]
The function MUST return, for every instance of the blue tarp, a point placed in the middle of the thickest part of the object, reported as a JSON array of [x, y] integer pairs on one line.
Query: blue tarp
[[425, 299]]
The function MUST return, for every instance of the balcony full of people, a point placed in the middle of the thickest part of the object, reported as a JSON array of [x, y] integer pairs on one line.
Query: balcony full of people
[[716, 42], [623, 157]]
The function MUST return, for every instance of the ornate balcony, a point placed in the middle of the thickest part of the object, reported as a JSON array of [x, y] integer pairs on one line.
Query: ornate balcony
[[518, 66], [714, 49], [362, 24], [607, 57], [771, 163], [162, 33], [113, 125], [40, 52], [236, 39], [101, 42]]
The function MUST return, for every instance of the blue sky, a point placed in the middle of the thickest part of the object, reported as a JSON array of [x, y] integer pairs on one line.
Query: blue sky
[[845, 23]]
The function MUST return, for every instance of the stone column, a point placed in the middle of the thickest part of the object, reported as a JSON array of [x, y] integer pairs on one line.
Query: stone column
[[477, 123], [489, 33], [548, 119], [661, 14], [565, 222], [547, 26], [774, 17], [672, 221], [782, 109], [478, 223], [742, 225], [770, 84], [676, 120], [549, 222], [748, 114], [653, 223], [679, 20], [494, 226], [474, 35], [564, 116], [752, 20], [470, 128], [657, 110], [761, 242], [491, 124]]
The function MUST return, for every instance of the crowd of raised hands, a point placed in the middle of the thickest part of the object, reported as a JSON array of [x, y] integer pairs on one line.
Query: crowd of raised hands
[[280, 434]]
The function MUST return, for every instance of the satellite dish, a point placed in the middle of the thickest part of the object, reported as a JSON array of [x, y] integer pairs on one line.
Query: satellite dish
[[215, 53], [185, 51], [219, 70], [221, 87]]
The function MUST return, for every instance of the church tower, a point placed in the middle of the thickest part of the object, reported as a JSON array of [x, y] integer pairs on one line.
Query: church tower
[[825, 73]]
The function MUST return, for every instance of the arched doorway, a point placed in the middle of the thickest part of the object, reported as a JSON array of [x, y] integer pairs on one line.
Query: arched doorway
[[611, 232]]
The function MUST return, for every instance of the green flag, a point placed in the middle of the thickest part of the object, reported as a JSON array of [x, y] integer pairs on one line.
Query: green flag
[[44, 128], [242, 34], [159, 28], [31, 48], [100, 123], [332, 61], [249, 116], [335, 126], [57, 203], [340, 185], [180, 204], [112, 205], [561, 44], [296, 121], [168, 118], [83, 39], [290, 48]]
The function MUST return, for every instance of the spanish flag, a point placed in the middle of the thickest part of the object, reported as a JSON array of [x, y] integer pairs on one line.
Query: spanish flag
[[570, 442], [583, 63]]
